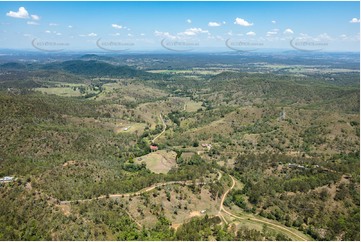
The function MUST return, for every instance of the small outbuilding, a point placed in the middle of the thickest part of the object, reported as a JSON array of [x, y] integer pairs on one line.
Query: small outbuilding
[[7, 179], [153, 148]]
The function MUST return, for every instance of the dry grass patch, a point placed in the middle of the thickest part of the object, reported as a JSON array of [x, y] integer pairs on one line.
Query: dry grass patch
[[160, 161], [129, 127]]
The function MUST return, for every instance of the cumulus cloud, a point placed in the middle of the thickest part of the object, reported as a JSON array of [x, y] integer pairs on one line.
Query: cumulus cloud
[[273, 21], [189, 21], [32, 23], [193, 31], [35, 17], [214, 24], [288, 31], [251, 33], [242, 22], [163, 34], [88, 35], [116, 26], [323, 36], [272, 32], [47, 31], [21, 13], [354, 20], [70, 26]]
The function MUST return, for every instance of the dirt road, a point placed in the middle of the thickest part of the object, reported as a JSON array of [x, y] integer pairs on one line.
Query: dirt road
[[164, 128], [222, 209]]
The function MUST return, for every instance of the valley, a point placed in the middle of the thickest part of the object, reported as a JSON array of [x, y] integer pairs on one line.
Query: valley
[[189, 147]]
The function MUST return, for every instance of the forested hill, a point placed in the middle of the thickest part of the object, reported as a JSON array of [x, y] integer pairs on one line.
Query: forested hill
[[90, 68], [97, 68], [288, 89]]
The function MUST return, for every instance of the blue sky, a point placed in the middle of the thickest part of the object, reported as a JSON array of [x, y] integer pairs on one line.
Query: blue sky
[[180, 25]]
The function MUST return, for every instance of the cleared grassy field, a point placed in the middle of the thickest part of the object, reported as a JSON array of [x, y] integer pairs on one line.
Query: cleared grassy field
[[126, 90], [193, 71], [192, 106], [160, 161], [60, 91], [129, 127], [182, 200]]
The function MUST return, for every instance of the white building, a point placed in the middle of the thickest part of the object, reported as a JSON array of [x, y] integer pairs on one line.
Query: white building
[[7, 179]]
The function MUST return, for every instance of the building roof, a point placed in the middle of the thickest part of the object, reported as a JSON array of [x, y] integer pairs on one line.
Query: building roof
[[154, 147]]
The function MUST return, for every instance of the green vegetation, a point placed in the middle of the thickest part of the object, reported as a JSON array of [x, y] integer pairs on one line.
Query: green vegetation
[[76, 135]]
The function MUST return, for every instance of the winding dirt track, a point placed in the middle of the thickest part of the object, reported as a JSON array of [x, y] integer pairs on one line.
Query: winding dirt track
[[164, 128], [145, 190], [222, 209]]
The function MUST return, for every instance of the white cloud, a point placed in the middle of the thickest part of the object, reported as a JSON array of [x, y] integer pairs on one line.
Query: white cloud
[[116, 34], [142, 34], [58, 33], [193, 31], [230, 33], [288, 31], [88, 35], [217, 37], [273, 21], [272, 32], [214, 24], [224, 22], [35, 17], [251, 33], [70, 26], [189, 21], [354, 20], [163, 34], [343, 37], [32, 23], [53, 24], [116, 26], [323, 36], [47, 31], [242, 22], [130, 35], [21, 13]]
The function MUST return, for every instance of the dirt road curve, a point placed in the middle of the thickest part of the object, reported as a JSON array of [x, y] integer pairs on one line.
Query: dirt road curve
[[144, 190], [221, 208], [164, 128]]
